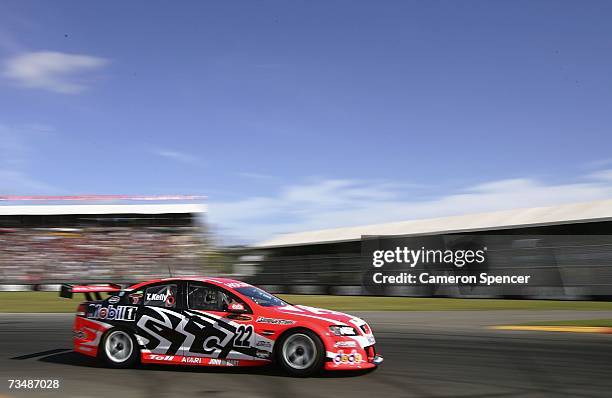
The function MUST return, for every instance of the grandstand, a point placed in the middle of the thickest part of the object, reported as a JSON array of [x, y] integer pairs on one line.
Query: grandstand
[[574, 240], [105, 238]]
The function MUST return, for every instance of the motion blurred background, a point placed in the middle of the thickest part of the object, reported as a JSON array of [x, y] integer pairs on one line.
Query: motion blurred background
[[309, 125], [94, 239]]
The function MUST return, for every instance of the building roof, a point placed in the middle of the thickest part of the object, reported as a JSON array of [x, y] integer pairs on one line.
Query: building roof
[[45, 210], [528, 217]]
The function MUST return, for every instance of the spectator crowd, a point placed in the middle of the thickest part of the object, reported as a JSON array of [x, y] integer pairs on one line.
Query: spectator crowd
[[98, 254]]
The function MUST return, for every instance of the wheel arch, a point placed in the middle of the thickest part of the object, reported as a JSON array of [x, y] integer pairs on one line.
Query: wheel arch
[[125, 328], [292, 329]]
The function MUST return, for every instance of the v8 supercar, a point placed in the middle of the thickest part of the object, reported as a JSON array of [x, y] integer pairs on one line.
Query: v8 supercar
[[216, 322]]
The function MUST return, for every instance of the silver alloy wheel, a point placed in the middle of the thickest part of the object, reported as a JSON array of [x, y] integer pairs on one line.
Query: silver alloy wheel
[[118, 346], [299, 351]]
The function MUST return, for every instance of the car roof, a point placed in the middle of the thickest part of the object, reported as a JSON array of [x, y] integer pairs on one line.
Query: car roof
[[216, 281]]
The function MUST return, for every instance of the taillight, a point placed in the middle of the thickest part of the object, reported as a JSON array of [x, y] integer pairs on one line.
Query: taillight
[[82, 308]]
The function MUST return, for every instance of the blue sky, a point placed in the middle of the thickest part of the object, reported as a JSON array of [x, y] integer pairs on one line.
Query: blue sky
[[295, 115]]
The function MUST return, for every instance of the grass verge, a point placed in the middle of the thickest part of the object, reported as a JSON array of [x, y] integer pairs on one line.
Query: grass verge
[[51, 302], [364, 303], [579, 322]]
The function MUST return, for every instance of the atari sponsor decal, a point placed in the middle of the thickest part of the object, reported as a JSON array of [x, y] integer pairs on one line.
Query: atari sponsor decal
[[175, 359], [112, 313], [274, 321], [197, 360], [189, 360]]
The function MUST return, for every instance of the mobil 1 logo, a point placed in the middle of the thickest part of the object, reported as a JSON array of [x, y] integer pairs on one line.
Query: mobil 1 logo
[[112, 313]]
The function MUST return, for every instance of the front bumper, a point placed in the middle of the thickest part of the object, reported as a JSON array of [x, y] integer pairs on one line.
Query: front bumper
[[353, 358]]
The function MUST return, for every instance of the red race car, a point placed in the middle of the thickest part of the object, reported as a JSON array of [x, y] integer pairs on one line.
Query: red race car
[[216, 322]]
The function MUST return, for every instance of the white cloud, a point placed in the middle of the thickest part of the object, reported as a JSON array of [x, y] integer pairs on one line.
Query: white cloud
[[604, 175], [338, 203], [51, 70], [177, 156]]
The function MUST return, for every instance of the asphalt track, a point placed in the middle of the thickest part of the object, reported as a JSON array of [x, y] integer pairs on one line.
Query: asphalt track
[[427, 354]]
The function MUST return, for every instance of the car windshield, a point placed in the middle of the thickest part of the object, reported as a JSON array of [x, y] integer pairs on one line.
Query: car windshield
[[261, 297]]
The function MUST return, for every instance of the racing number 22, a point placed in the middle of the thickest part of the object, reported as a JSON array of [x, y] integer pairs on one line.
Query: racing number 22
[[243, 336]]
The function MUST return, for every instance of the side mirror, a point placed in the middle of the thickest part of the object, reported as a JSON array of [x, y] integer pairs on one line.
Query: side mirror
[[236, 308]]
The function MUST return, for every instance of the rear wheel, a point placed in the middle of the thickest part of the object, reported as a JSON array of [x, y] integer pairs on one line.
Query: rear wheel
[[119, 349], [301, 353]]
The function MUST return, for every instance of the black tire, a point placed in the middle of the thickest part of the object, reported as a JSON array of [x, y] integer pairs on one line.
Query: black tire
[[300, 353], [119, 349]]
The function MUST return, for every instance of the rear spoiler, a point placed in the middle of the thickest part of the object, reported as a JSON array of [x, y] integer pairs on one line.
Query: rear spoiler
[[68, 290]]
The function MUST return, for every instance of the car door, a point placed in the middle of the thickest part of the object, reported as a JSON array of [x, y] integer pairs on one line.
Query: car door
[[220, 322], [160, 318]]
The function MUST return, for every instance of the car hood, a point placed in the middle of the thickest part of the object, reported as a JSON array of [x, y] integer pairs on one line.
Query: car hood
[[333, 317]]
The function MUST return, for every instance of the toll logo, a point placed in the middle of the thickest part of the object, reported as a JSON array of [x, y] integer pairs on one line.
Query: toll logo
[[112, 313], [156, 357]]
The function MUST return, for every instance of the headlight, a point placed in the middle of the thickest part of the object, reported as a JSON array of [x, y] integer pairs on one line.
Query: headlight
[[343, 330]]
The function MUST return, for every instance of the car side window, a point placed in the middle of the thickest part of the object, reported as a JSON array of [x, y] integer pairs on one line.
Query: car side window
[[161, 296], [209, 298]]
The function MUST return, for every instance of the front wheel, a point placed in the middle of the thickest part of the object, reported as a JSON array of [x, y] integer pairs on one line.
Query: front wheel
[[119, 349], [301, 353]]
